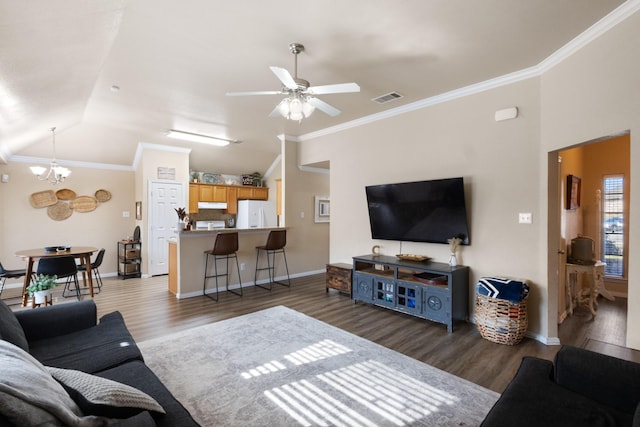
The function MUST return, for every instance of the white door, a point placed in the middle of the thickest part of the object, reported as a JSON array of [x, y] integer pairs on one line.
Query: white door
[[164, 197]]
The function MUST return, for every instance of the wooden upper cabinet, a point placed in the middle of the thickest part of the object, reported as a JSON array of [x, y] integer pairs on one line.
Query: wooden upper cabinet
[[194, 197], [232, 200], [224, 193], [253, 193], [212, 193]]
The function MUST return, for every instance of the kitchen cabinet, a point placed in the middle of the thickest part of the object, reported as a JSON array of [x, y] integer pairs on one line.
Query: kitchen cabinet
[[194, 197], [252, 193], [229, 194], [212, 193], [232, 200]]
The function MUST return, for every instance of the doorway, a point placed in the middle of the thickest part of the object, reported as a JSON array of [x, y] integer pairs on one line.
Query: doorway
[[592, 162], [164, 197]]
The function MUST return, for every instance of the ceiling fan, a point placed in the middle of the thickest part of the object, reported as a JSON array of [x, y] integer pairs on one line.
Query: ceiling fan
[[300, 99]]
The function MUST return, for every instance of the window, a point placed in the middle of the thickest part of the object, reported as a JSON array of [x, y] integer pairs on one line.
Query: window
[[613, 225]]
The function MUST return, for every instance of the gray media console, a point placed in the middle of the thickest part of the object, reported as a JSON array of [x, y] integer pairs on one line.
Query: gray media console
[[430, 290]]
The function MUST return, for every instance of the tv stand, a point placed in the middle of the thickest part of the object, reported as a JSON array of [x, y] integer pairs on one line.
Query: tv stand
[[430, 290]]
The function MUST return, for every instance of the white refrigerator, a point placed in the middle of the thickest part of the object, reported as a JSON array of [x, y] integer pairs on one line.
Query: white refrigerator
[[256, 214]]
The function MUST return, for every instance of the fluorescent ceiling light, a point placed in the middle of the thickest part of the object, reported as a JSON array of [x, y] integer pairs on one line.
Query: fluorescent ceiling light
[[196, 137]]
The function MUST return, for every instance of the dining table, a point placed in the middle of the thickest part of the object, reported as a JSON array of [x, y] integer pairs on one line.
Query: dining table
[[83, 253]]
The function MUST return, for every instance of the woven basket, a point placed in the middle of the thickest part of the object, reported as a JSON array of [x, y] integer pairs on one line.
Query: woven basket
[[65, 194], [501, 321], [60, 211], [102, 195], [42, 199], [84, 204]]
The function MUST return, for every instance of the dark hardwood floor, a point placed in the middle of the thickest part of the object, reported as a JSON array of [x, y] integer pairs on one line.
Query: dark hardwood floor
[[151, 311]]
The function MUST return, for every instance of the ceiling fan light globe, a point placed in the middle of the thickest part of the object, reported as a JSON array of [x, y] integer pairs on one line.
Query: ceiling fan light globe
[[307, 109], [296, 116], [283, 108], [295, 106]]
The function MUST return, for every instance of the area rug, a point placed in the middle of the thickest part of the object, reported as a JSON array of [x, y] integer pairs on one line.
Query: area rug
[[279, 367]]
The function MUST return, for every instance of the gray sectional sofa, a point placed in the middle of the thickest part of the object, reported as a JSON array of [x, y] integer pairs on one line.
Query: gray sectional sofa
[[46, 354], [580, 388]]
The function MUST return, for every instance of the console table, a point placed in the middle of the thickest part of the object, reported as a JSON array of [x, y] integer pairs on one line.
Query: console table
[[596, 285], [430, 290]]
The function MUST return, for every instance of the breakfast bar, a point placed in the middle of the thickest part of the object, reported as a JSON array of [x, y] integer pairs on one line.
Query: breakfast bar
[[187, 259]]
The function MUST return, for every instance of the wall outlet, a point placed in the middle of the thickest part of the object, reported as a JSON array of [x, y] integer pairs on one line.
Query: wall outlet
[[525, 218], [243, 266], [125, 214]]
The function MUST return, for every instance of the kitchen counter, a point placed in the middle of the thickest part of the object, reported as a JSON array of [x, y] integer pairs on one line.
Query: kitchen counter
[[186, 268], [188, 233]]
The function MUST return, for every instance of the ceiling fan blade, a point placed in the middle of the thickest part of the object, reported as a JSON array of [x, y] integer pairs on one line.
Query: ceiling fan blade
[[337, 88], [259, 92], [284, 76], [275, 112], [323, 106]]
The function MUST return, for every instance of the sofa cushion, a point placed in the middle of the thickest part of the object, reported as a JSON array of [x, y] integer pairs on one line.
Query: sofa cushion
[[10, 328], [100, 396], [136, 374], [30, 396], [611, 381], [89, 350], [533, 399]]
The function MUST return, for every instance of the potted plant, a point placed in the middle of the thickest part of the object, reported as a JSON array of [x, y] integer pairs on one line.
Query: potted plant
[[257, 179], [40, 287], [195, 176], [182, 214]]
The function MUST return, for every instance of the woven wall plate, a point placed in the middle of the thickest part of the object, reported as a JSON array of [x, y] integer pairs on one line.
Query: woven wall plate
[[103, 195], [84, 204], [42, 199], [59, 211], [65, 194]]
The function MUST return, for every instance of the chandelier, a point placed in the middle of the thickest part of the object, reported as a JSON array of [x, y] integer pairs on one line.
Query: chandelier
[[56, 173]]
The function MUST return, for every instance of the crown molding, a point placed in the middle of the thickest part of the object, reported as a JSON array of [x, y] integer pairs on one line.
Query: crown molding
[[156, 147], [71, 163]]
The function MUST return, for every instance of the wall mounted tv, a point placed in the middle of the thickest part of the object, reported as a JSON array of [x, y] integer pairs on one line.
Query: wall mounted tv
[[423, 211]]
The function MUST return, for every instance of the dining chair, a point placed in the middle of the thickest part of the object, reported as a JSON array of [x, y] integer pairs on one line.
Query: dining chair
[[9, 274], [95, 269], [63, 267]]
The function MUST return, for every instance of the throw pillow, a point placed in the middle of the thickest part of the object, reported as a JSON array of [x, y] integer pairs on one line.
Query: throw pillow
[[100, 396], [10, 328], [30, 396]]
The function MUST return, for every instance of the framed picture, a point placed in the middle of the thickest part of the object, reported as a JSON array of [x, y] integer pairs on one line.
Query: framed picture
[[322, 209], [573, 192], [139, 211]]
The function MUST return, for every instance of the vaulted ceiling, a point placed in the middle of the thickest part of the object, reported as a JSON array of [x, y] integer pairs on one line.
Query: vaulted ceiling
[[174, 62]]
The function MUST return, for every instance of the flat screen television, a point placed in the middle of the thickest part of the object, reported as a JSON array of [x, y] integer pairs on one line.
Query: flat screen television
[[423, 211]]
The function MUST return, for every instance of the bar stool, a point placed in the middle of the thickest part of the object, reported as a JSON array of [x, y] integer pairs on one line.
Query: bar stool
[[224, 247], [275, 244]]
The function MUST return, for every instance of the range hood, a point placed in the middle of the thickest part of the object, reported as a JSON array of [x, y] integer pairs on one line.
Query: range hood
[[212, 205]]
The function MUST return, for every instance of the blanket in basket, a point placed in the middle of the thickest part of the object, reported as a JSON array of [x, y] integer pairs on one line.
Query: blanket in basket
[[503, 288]]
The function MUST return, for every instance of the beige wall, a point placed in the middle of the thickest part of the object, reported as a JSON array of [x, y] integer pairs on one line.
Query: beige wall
[[498, 161], [153, 157], [23, 227], [592, 94], [307, 241]]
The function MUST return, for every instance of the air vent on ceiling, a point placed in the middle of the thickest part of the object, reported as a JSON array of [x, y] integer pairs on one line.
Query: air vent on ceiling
[[387, 98]]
